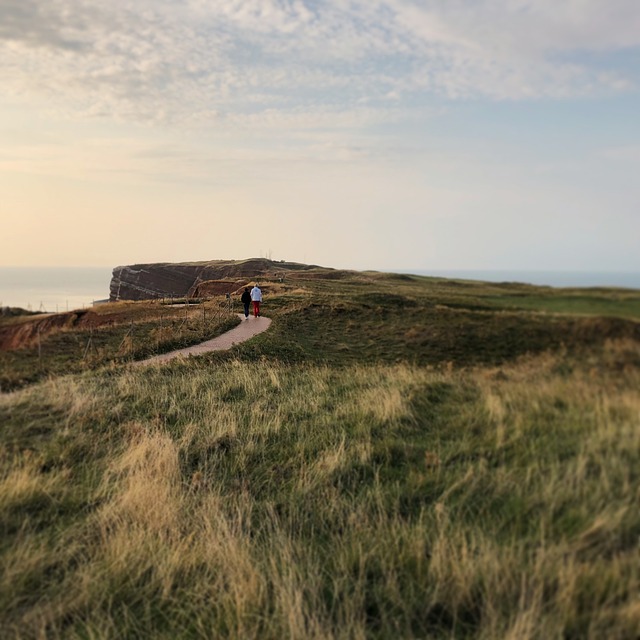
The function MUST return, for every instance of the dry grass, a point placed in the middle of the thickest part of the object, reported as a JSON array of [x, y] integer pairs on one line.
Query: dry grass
[[264, 501]]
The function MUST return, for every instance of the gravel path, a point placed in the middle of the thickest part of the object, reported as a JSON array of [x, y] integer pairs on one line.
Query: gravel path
[[245, 330]]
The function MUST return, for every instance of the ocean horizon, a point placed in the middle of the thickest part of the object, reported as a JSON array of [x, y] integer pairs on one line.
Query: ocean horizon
[[68, 288], [53, 288]]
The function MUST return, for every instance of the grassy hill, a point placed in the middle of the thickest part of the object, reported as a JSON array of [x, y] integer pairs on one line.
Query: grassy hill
[[396, 457]]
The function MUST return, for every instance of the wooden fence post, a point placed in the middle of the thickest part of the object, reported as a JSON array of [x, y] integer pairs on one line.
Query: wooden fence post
[[89, 343]]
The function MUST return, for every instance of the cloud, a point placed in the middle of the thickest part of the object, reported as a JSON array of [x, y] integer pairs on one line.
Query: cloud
[[252, 62], [35, 24]]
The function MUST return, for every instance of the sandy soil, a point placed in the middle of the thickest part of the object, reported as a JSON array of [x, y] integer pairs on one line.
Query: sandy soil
[[245, 330]]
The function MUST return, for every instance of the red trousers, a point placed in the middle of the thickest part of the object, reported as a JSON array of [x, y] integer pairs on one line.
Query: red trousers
[[256, 308]]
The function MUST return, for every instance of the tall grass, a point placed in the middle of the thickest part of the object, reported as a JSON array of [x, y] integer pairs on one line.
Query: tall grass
[[151, 330], [263, 500]]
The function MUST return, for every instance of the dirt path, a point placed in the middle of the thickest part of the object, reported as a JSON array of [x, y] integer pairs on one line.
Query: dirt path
[[245, 330]]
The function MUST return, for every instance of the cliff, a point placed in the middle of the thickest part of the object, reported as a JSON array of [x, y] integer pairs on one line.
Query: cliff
[[158, 280]]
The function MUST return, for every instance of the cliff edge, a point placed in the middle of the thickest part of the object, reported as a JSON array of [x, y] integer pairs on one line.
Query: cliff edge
[[165, 279]]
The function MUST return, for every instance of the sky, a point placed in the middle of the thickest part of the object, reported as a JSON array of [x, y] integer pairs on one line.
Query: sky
[[381, 134]]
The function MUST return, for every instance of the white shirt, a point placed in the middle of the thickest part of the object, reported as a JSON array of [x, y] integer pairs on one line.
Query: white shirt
[[256, 294]]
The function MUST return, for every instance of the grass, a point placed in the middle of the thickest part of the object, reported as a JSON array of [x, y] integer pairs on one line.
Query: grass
[[261, 500], [330, 481], [132, 331], [576, 303], [387, 318]]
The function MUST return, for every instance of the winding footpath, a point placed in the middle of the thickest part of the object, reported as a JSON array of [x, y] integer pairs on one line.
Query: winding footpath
[[245, 330]]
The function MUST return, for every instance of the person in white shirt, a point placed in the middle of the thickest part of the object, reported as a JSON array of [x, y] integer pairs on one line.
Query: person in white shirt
[[256, 297]]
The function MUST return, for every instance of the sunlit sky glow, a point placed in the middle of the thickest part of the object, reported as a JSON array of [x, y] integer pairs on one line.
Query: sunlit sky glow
[[443, 134]]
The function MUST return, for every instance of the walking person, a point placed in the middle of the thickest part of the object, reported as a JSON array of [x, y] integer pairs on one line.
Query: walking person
[[246, 301], [256, 296]]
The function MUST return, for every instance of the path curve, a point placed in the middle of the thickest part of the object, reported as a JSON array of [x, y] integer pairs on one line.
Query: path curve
[[246, 329]]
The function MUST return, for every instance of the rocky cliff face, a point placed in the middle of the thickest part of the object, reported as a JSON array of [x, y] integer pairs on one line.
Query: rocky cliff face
[[158, 280]]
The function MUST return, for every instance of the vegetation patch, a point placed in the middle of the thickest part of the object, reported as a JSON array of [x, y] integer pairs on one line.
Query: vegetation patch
[[82, 341], [392, 459], [270, 499]]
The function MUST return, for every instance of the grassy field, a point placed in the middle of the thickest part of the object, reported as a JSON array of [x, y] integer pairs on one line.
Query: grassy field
[[113, 334], [395, 458]]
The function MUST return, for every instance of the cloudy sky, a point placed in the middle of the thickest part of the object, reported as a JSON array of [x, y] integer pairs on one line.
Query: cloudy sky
[[433, 134]]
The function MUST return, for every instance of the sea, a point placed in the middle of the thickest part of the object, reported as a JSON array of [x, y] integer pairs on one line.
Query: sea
[[68, 288], [53, 288]]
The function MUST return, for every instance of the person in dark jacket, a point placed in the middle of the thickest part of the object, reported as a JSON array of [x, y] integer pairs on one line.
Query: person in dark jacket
[[246, 301]]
